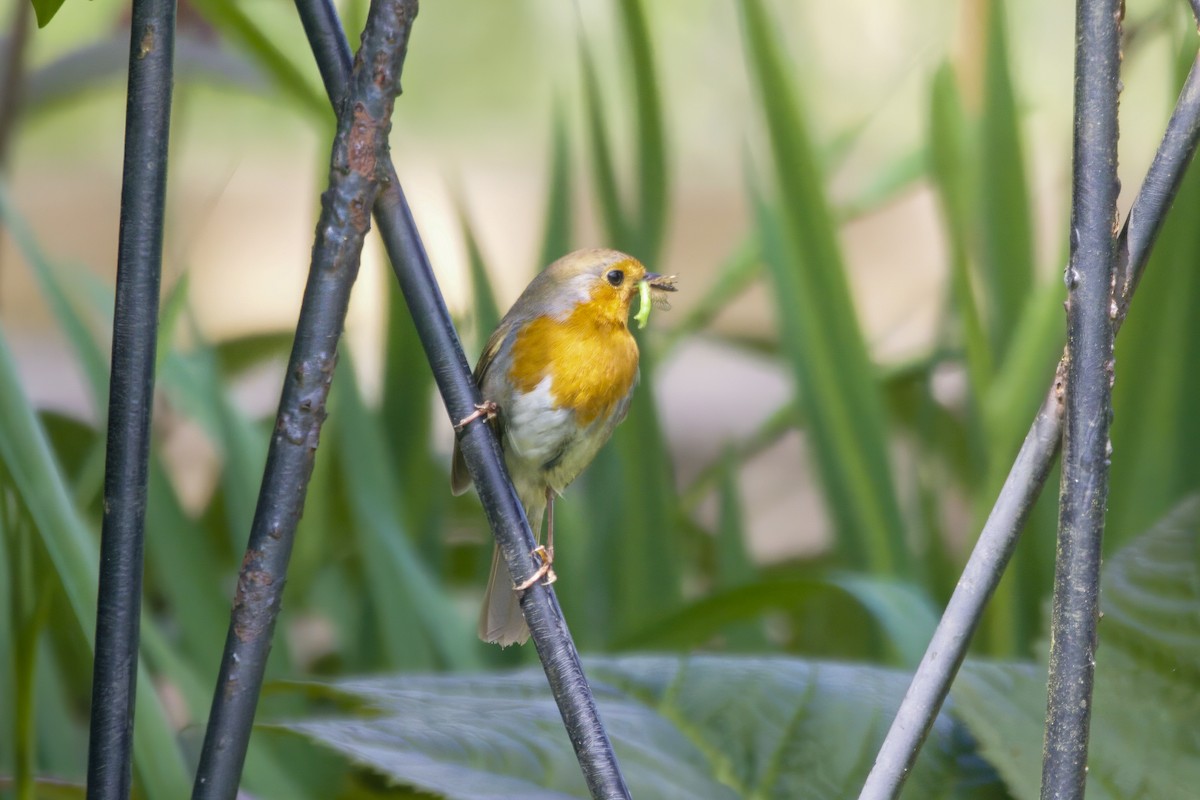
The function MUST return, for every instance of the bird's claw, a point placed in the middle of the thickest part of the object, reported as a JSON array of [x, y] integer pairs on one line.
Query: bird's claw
[[486, 410], [545, 571]]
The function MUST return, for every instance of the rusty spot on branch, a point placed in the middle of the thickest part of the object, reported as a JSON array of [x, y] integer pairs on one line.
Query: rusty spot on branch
[[360, 142], [253, 605]]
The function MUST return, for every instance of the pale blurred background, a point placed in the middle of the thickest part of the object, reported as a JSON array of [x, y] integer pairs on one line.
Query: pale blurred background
[[481, 82]]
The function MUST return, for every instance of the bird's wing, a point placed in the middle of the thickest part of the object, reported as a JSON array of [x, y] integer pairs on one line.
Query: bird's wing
[[460, 479]]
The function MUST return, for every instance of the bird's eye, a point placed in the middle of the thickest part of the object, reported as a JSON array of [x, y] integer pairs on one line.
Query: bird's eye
[[615, 277]]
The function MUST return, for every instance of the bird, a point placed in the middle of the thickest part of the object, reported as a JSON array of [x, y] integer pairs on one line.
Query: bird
[[556, 377]]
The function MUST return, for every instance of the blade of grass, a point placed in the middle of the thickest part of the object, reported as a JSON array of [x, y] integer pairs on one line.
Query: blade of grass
[[651, 139], [91, 358], [848, 430], [73, 551], [1004, 209], [857, 491], [30, 600], [733, 565], [1015, 611], [229, 18], [1154, 434], [418, 624], [903, 616], [183, 569], [556, 238], [485, 313], [736, 274], [951, 170], [194, 386], [604, 173], [406, 414]]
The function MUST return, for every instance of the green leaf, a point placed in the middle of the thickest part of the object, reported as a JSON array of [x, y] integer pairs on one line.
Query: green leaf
[[1004, 206], [702, 727], [485, 312], [193, 383], [818, 324], [903, 616], [74, 553], [1146, 698], [604, 172], [230, 19], [45, 10], [738, 272], [733, 563], [556, 240], [837, 393], [1156, 432], [651, 139], [951, 171], [92, 358], [419, 626]]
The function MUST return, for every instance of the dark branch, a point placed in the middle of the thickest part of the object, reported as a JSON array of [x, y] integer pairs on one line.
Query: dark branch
[[131, 394], [479, 446], [360, 151], [1091, 312], [998, 539]]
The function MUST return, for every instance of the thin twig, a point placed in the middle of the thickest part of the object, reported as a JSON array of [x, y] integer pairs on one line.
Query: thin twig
[[131, 390], [996, 542], [1091, 312], [356, 172], [479, 446]]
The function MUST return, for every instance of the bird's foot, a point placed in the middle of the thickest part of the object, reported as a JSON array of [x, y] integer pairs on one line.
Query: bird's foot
[[486, 410], [545, 571]]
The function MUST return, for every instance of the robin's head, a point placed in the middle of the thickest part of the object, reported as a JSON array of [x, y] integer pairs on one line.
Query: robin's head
[[606, 280]]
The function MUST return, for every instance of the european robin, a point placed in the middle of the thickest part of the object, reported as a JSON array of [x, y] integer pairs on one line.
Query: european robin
[[556, 376]]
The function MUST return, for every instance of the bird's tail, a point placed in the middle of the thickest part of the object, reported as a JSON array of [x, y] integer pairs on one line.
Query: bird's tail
[[500, 619]]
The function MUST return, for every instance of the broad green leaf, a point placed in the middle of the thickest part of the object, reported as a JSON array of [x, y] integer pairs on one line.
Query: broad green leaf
[[701, 727], [1146, 703], [819, 327], [74, 553]]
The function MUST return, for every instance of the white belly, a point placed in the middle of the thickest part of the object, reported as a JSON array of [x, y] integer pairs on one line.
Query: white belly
[[536, 431]]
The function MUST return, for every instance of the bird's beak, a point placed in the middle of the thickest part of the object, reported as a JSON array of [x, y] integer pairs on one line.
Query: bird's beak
[[661, 283]]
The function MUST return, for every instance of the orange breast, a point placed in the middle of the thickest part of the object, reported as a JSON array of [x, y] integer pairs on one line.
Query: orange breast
[[591, 357]]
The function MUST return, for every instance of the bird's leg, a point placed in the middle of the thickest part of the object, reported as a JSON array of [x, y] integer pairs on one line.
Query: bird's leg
[[544, 553], [550, 528], [543, 571], [487, 409]]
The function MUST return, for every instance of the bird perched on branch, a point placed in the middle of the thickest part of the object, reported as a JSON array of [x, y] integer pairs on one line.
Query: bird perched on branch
[[556, 376]]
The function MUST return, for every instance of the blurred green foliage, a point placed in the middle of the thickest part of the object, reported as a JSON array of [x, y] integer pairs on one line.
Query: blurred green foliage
[[388, 567]]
